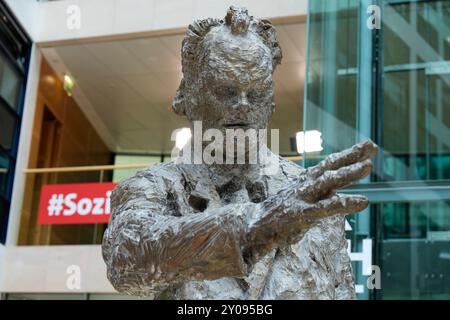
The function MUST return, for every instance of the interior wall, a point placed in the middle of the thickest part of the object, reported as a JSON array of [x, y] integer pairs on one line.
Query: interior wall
[[49, 269]]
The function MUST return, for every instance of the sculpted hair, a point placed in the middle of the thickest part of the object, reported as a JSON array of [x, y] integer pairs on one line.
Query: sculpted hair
[[192, 47]]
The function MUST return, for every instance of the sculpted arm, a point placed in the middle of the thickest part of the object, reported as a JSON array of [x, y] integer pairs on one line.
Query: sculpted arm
[[147, 247]]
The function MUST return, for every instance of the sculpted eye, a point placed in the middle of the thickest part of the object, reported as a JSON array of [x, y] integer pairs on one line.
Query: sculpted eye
[[253, 95], [260, 91], [226, 92]]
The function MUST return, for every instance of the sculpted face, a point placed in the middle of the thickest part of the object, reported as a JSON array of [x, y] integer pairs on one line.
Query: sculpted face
[[235, 85]]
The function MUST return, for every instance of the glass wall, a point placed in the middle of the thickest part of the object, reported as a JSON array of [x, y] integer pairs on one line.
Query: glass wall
[[14, 53], [130, 159], [416, 62], [414, 242], [388, 82], [33, 233]]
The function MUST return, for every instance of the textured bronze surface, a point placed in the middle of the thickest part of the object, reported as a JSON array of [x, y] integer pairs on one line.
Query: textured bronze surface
[[228, 231]]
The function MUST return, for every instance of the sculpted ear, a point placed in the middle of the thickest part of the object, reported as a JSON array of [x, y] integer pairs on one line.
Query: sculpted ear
[[179, 101]]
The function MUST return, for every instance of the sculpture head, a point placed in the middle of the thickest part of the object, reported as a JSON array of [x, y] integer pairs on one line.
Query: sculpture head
[[227, 72]]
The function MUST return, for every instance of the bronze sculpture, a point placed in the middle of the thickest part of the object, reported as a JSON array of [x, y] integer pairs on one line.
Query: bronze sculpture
[[228, 231]]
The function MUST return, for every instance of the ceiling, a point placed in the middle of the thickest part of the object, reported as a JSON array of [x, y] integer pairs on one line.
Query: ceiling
[[126, 88]]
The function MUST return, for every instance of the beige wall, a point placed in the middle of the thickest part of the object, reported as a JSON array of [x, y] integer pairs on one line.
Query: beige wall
[[46, 22], [45, 269]]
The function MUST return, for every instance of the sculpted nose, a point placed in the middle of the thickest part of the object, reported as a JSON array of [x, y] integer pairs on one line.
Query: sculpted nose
[[243, 101]]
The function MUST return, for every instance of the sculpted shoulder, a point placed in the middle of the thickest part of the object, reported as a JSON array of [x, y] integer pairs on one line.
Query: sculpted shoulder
[[148, 181]]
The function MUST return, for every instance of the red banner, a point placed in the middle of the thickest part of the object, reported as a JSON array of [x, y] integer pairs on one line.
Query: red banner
[[80, 203]]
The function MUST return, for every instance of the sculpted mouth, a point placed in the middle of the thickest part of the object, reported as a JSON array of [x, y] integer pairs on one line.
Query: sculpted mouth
[[236, 125]]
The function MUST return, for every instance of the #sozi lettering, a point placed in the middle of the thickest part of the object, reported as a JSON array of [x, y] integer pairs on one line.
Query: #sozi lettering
[[69, 205]]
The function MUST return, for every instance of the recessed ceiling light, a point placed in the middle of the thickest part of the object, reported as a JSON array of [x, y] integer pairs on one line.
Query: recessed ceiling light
[[309, 141], [68, 84], [182, 137]]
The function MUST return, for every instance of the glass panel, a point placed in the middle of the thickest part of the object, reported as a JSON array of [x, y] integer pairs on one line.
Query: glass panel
[[332, 82], [403, 126], [415, 262], [4, 168], [15, 48], [9, 83], [131, 159], [392, 85], [4, 209], [438, 121], [32, 233], [7, 126], [415, 129], [402, 45], [339, 90]]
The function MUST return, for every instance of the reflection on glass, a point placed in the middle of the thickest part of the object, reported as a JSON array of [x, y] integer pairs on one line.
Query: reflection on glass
[[7, 126], [331, 104], [404, 70], [415, 129], [414, 250], [131, 159], [9, 83], [32, 233], [4, 166]]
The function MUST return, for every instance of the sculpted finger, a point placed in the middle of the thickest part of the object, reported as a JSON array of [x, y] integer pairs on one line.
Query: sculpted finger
[[339, 203], [359, 152], [332, 180]]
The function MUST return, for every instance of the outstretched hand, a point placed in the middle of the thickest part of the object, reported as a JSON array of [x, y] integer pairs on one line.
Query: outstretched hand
[[285, 217], [318, 184]]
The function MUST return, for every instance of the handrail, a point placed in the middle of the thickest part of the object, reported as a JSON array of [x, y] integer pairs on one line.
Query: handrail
[[86, 168], [293, 158], [106, 167]]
